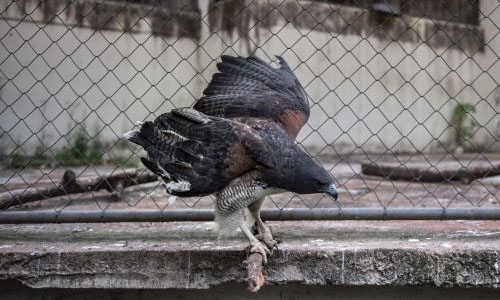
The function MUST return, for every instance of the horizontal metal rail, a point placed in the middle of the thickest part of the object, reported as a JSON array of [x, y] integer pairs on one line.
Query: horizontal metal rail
[[287, 214]]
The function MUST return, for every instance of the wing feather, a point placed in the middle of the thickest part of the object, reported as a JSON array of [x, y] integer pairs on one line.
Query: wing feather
[[249, 87]]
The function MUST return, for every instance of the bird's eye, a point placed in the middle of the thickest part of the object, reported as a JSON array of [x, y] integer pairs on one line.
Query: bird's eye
[[319, 183]]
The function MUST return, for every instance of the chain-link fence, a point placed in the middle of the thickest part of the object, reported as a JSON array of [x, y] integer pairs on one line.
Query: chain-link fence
[[404, 102]]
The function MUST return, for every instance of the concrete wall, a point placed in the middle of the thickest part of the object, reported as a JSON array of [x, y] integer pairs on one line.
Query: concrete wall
[[375, 83]]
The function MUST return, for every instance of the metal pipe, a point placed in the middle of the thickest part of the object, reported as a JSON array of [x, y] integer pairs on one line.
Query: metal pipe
[[436, 213], [98, 216], [287, 214]]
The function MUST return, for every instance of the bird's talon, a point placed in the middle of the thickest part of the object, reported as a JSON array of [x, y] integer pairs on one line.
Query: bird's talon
[[271, 244], [262, 250], [268, 240]]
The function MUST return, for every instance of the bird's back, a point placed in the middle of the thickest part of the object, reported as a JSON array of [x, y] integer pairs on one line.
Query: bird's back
[[203, 152]]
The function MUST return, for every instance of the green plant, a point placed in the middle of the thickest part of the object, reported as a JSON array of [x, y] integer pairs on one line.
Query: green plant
[[3, 157], [39, 157], [65, 157], [79, 144], [124, 161], [461, 114], [94, 154], [17, 161], [81, 150]]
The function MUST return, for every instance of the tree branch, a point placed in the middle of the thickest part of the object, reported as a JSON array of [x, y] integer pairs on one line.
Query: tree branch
[[254, 272], [114, 183]]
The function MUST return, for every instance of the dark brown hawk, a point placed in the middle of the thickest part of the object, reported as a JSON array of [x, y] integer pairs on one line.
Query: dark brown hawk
[[237, 142]]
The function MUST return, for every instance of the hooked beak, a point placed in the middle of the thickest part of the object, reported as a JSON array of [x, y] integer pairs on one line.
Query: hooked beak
[[332, 191]]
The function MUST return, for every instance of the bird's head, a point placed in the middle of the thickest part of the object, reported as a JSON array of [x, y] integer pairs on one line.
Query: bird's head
[[316, 180], [304, 176], [324, 184]]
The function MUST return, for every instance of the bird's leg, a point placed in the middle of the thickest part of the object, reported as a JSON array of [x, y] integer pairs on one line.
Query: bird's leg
[[255, 245], [265, 234]]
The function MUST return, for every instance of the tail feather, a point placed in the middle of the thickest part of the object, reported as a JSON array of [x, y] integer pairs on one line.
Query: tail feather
[[171, 145], [172, 137], [192, 115], [189, 151], [141, 137], [155, 168], [134, 137]]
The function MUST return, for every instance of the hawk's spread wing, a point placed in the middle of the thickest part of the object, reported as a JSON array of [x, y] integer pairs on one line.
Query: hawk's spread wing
[[249, 87]]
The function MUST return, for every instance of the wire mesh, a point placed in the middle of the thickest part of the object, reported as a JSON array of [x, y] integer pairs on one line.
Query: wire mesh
[[404, 96]]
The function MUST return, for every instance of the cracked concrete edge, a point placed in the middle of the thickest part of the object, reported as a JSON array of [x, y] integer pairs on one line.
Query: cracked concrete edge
[[202, 269]]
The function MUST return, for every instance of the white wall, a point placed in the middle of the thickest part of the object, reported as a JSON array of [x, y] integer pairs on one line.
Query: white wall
[[367, 93]]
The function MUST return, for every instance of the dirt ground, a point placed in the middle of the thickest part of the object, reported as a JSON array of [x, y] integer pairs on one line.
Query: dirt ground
[[356, 189]]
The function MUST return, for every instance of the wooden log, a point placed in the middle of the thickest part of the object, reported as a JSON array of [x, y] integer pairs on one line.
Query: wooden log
[[444, 171], [70, 184], [255, 276]]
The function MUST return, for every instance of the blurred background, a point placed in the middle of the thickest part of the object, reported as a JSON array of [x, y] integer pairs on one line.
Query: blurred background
[[404, 96]]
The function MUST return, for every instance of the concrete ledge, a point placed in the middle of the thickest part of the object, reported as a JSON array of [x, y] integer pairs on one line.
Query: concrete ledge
[[188, 256]]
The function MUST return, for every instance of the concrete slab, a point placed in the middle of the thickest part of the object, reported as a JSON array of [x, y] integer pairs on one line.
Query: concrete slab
[[188, 255]]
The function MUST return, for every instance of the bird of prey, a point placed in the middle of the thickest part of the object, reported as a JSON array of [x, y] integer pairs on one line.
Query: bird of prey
[[237, 141]]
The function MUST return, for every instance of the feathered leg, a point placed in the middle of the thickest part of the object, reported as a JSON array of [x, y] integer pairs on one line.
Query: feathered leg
[[230, 206], [265, 234], [227, 225]]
